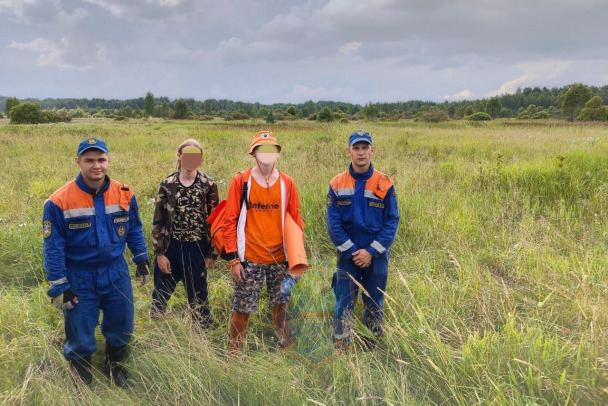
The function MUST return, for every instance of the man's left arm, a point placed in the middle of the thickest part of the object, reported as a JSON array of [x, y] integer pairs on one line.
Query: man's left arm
[[384, 239], [135, 237]]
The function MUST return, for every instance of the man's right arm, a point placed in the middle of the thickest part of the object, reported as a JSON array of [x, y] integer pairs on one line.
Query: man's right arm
[[53, 249], [336, 231]]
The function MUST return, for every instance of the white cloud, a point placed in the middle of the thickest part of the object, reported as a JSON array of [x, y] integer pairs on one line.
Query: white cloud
[[145, 9], [350, 47], [61, 55], [39, 44], [462, 95], [534, 74], [32, 11]]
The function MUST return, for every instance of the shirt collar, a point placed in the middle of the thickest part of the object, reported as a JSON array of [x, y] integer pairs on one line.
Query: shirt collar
[[361, 176], [82, 185]]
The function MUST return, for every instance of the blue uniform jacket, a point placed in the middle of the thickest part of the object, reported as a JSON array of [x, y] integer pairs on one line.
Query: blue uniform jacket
[[84, 231], [362, 212]]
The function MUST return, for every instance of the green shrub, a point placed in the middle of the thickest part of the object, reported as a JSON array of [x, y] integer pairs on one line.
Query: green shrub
[[26, 113], [479, 116], [433, 115], [325, 115], [594, 110], [541, 115]]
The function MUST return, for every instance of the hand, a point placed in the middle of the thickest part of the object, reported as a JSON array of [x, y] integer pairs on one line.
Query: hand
[[238, 273], [163, 264], [209, 262], [362, 258], [65, 301], [142, 273]]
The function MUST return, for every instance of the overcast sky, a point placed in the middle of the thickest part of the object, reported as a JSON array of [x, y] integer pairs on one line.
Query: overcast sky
[[292, 51]]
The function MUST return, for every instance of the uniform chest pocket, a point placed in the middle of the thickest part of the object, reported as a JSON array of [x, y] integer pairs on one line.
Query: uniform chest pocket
[[345, 208], [81, 232], [119, 226], [374, 214]]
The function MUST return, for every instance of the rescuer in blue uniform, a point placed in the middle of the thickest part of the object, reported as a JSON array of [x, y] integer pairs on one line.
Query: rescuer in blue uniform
[[362, 219], [86, 224]]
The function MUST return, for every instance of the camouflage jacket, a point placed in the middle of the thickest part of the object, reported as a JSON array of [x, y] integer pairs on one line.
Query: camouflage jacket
[[166, 201]]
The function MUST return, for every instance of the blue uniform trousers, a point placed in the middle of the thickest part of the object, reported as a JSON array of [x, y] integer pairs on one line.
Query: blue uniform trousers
[[96, 292], [187, 261], [373, 280]]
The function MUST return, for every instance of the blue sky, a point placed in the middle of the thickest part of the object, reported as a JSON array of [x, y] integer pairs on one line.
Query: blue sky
[[293, 51]]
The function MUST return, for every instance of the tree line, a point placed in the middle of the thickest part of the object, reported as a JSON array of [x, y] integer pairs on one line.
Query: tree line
[[573, 102]]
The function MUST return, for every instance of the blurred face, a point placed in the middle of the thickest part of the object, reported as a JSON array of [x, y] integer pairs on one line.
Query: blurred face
[[361, 156], [190, 158], [93, 165], [266, 154]]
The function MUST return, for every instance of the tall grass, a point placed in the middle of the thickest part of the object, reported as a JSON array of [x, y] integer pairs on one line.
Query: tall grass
[[497, 285]]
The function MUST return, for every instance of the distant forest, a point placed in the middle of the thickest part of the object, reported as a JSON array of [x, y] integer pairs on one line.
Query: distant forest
[[524, 103]]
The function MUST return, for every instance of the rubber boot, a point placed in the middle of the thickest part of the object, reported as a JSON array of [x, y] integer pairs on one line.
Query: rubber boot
[[238, 331], [341, 345], [82, 367], [279, 318], [117, 373]]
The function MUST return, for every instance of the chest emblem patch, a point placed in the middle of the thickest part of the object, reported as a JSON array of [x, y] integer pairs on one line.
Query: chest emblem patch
[[121, 230]]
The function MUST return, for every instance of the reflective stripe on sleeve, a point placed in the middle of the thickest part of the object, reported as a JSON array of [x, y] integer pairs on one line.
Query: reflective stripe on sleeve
[[378, 247], [346, 246], [58, 281]]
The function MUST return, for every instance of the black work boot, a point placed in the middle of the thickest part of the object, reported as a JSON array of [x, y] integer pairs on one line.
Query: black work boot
[[82, 367], [116, 372]]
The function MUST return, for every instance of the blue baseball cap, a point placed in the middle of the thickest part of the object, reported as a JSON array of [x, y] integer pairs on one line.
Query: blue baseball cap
[[91, 143], [359, 136]]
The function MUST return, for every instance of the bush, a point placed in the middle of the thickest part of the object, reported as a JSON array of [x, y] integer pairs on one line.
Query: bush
[[325, 115], [433, 115], [121, 118], [26, 113], [30, 113], [594, 110], [541, 115], [479, 116], [237, 116]]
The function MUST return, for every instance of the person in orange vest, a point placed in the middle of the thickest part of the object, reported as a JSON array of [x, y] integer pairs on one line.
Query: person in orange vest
[[254, 238], [86, 225], [362, 220]]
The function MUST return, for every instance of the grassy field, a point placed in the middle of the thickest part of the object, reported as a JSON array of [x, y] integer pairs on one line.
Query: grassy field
[[497, 289]]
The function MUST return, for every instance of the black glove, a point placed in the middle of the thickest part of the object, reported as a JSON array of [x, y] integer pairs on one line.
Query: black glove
[[65, 301], [142, 273]]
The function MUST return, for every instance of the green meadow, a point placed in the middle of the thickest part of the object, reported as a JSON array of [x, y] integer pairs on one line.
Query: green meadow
[[497, 292]]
